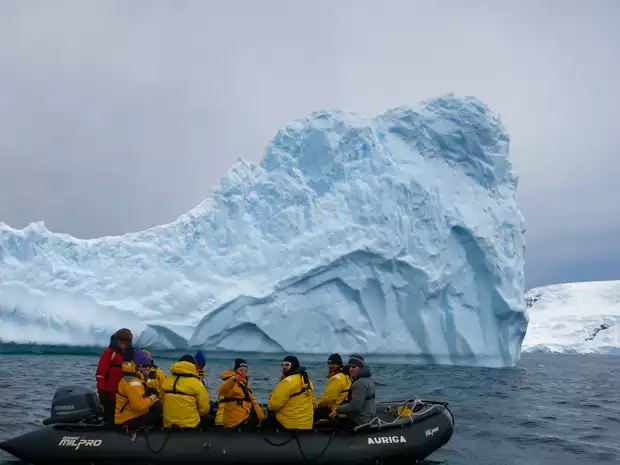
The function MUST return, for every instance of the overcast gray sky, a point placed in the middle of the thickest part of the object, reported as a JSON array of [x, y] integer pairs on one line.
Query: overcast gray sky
[[117, 116]]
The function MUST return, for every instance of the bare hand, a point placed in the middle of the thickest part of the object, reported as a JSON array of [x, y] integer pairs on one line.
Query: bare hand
[[333, 414], [154, 398]]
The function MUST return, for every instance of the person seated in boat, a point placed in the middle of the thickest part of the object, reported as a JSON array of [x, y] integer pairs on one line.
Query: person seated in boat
[[291, 404], [109, 371], [156, 375], [137, 405], [201, 361], [337, 388], [237, 406], [186, 399], [359, 407]]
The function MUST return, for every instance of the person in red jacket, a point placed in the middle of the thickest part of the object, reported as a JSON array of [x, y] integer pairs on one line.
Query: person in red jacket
[[109, 371]]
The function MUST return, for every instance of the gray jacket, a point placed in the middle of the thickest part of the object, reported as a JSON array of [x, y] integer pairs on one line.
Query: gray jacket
[[361, 406]]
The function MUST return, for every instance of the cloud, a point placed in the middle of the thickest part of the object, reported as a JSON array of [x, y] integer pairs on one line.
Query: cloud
[[118, 116]]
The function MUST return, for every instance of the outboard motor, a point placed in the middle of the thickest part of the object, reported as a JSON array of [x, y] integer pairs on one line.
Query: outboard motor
[[74, 404]]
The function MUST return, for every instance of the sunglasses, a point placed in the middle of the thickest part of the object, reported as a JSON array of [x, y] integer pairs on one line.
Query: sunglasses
[[286, 364]]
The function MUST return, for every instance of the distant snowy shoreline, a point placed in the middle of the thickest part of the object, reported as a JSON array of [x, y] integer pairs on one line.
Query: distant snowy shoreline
[[568, 318], [574, 318]]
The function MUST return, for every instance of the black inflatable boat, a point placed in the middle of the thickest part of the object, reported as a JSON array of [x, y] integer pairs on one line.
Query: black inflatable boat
[[75, 434]]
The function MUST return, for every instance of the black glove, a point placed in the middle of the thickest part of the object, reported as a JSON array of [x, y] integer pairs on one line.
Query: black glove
[[152, 374], [150, 391]]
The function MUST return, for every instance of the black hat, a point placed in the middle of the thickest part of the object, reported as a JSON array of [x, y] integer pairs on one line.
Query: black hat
[[188, 358], [239, 362], [356, 360], [336, 359], [293, 360]]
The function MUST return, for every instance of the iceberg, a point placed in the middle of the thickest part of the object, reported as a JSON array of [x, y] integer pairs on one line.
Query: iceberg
[[398, 234], [574, 318]]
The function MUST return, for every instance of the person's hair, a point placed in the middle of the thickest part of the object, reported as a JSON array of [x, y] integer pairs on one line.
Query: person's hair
[[188, 358]]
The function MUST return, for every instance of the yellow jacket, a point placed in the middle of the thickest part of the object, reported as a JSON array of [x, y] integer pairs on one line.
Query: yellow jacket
[[131, 396], [160, 375], [185, 397], [235, 401], [336, 391], [293, 401], [219, 417], [157, 382]]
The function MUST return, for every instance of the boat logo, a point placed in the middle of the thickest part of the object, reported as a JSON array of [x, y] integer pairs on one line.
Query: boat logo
[[77, 441], [64, 407], [386, 440], [430, 432]]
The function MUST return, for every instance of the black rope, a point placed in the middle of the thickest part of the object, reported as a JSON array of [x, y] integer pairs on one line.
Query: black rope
[[273, 443], [146, 437], [318, 457]]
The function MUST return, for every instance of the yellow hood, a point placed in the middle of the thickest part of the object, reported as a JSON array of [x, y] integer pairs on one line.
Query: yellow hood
[[184, 368]]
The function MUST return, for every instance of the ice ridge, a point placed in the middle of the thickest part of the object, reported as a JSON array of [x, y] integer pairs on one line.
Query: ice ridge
[[397, 234]]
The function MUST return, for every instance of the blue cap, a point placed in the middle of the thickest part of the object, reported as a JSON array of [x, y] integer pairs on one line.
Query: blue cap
[[200, 358]]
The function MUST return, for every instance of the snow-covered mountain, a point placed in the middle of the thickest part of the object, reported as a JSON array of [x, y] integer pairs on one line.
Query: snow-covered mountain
[[574, 318], [399, 234]]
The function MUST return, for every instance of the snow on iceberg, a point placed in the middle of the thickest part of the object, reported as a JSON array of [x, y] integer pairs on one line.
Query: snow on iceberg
[[394, 235], [574, 318]]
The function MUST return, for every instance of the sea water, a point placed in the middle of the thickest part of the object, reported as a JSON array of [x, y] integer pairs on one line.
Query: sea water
[[551, 409]]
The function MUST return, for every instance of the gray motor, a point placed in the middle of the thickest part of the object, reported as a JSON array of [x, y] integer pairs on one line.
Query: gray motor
[[74, 404]]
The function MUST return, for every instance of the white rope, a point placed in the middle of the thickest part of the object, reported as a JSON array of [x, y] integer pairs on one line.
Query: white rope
[[412, 416]]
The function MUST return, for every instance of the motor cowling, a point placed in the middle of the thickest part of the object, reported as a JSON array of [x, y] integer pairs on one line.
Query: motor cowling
[[74, 404]]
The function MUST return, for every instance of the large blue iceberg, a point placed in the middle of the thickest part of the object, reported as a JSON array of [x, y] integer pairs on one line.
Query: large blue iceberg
[[394, 235]]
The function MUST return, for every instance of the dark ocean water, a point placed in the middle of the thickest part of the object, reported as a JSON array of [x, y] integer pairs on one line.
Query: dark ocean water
[[552, 409]]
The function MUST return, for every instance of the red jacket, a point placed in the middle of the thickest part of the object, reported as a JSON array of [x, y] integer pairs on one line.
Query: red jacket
[[109, 371]]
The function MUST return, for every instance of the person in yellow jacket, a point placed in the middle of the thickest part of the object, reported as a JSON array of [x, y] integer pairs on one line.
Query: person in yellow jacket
[[136, 404], [337, 388], [156, 376], [237, 406], [186, 399], [292, 402]]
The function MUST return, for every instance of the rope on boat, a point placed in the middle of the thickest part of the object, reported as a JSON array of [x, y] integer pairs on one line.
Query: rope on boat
[[412, 416]]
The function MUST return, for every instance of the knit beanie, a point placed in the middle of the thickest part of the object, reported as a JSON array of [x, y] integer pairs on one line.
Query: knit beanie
[[151, 357], [356, 360], [239, 362], [336, 359], [293, 360], [140, 358]]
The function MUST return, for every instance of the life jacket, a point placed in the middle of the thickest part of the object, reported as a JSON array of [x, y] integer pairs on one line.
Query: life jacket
[[128, 377], [239, 400], [341, 371], [175, 391], [174, 385], [306, 383]]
